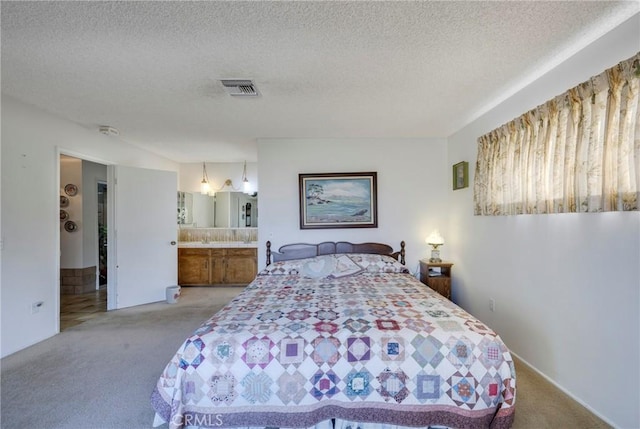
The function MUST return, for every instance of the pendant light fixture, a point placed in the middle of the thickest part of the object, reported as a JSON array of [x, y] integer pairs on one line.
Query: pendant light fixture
[[204, 185], [246, 186]]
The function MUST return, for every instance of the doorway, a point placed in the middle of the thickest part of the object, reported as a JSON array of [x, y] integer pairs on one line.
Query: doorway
[[83, 227], [102, 235]]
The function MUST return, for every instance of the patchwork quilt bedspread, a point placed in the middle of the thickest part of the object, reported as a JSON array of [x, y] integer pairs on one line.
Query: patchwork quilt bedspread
[[351, 336]]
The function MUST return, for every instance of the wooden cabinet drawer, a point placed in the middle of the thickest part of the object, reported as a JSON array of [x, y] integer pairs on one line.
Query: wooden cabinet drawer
[[188, 252], [242, 252]]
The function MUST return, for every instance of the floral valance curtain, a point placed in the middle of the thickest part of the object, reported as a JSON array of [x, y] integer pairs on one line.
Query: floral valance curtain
[[579, 152]]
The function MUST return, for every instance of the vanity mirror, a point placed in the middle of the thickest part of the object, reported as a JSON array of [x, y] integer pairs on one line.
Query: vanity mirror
[[224, 210]]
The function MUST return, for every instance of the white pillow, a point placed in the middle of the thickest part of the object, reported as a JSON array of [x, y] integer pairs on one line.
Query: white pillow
[[345, 266], [318, 267], [373, 263]]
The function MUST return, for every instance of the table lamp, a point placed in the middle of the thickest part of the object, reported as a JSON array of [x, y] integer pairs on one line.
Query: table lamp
[[435, 240]]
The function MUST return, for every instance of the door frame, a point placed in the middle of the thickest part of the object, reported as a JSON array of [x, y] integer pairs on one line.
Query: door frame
[[112, 242], [111, 287], [97, 184]]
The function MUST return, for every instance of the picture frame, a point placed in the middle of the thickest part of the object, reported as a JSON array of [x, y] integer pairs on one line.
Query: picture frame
[[338, 200], [460, 175]]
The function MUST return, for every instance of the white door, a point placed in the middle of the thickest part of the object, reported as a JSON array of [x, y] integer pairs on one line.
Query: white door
[[144, 236]]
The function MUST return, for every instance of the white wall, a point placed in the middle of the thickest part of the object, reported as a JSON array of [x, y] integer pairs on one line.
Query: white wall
[[30, 192], [92, 173], [71, 242], [413, 179], [566, 286]]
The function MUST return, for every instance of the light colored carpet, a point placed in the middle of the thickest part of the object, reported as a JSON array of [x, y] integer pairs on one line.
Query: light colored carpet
[[539, 404], [100, 374]]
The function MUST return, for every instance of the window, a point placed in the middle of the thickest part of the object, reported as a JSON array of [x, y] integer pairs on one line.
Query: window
[[579, 152]]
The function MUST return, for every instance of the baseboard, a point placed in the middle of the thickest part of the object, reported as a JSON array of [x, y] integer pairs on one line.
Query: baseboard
[[567, 392]]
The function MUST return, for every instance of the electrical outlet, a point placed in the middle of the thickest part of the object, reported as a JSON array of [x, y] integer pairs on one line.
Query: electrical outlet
[[492, 304], [36, 306]]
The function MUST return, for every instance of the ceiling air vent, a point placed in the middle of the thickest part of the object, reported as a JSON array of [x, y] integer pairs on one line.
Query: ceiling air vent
[[108, 130], [240, 88]]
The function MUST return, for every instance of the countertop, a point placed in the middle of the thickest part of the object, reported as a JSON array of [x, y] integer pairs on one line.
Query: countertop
[[216, 244]]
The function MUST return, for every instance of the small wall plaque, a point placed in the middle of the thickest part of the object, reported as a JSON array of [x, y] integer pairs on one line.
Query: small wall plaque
[[460, 175]]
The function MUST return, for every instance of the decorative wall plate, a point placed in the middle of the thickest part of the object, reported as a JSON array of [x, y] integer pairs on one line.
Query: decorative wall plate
[[71, 189], [70, 226], [64, 201], [64, 215]]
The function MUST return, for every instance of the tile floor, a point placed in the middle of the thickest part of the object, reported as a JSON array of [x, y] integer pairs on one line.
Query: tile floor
[[75, 309]]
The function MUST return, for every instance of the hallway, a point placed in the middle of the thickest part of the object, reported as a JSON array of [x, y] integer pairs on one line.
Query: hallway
[[75, 309]]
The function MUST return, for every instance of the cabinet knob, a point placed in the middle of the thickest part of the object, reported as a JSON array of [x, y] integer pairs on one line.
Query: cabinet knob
[[173, 243]]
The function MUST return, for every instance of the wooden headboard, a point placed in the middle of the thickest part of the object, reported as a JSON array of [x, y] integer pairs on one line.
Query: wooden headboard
[[306, 250]]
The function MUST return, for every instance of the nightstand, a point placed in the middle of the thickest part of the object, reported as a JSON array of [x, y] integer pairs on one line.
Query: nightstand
[[440, 282]]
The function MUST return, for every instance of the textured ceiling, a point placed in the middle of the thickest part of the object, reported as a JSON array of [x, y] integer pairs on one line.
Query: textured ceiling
[[324, 69]]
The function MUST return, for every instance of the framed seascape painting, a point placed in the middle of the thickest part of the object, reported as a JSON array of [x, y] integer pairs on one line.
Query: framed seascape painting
[[338, 200]]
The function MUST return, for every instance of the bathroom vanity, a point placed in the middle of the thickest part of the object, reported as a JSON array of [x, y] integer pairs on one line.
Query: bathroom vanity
[[216, 264]]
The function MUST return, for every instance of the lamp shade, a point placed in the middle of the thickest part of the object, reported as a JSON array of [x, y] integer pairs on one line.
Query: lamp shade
[[246, 186], [435, 239], [204, 187]]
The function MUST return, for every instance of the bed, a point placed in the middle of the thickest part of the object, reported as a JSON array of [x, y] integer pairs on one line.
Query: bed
[[338, 335]]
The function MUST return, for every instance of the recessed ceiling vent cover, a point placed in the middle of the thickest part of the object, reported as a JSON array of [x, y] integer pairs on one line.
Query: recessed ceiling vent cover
[[108, 130], [240, 88]]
